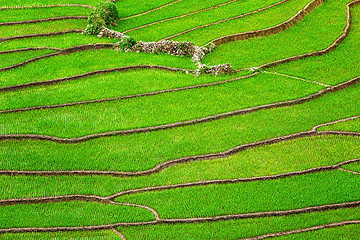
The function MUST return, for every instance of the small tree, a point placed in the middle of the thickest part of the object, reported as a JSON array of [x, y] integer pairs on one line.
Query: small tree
[[105, 14]]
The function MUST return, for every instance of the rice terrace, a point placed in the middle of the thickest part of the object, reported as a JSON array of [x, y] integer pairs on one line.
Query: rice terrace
[[180, 119]]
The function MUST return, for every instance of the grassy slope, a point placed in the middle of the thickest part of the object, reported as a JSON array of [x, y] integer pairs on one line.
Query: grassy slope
[[236, 229], [334, 67], [69, 214], [205, 35], [311, 34], [296, 155], [61, 41], [156, 110], [93, 235], [7, 60], [349, 126], [15, 15], [276, 195], [143, 151], [180, 8], [43, 27], [105, 86], [86, 61]]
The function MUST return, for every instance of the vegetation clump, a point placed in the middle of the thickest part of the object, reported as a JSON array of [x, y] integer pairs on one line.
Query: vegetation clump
[[105, 14]]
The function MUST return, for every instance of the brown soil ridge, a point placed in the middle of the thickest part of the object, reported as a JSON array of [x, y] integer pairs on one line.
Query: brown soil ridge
[[29, 49], [66, 51], [303, 230], [41, 35], [272, 30], [225, 20], [43, 20], [332, 47], [191, 220], [48, 6], [89, 74], [170, 125], [181, 16], [160, 167], [127, 97]]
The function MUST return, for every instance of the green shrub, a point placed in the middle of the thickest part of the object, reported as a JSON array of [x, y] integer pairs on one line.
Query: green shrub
[[105, 14]]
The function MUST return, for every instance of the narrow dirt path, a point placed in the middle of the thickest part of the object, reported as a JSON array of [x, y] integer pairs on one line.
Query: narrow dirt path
[[177, 124], [41, 35], [225, 20], [309, 229], [43, 20], [191, 220]]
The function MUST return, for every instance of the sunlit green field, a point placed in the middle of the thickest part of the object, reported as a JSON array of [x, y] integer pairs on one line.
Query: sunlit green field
[[101, 143]]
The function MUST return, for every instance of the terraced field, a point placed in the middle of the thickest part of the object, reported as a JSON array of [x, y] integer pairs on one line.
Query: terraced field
[[98, 142]]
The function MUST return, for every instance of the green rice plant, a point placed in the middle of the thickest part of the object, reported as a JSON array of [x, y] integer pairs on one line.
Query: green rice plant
[[43, 27], [175, 10], [309, 35], [17, 3], [348, 126], [26, 14], [335, 66], [104, 86], [243, 228], [10, 59], [275, 195], [84, 62], [261, 20], [355, 167], [155, 110], [341, 233], [69, 214], [134, 7], [60, 41], [83, 235], [145, 150], [295, 155]]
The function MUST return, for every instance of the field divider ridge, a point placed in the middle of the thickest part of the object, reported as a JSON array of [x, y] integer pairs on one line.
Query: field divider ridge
[[332, 47], [225, 20], [303, 230], [47, 6], [176, 124], [43, 20], [41, 35], [180, 16], [128, 96], [271, 30], [191, 220]]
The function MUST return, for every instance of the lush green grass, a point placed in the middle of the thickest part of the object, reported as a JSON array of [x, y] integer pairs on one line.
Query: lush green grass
[[105, 86], [180, 8], [184, 23], [43, 27], [143, 151], [353, 167], [9, 59], [335, 66], [86, 61], [83, 235], [156, 110], [311, 34], [204, 35], [15, 15], [236, 229], [348, 126], [133, 7], [17, 3], [350, 232], [296, 155], [60, 41], [69, 214], [261, 20], [277, 195]]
